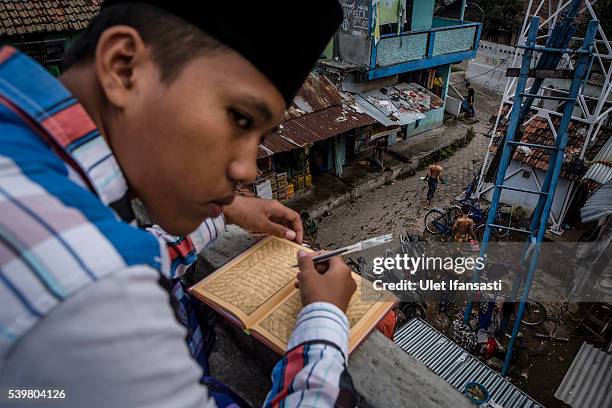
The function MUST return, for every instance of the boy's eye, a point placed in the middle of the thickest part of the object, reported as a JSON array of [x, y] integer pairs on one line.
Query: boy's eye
[[242, 121]]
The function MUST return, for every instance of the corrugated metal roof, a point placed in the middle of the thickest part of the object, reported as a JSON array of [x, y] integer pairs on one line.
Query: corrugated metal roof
[[279, 143], [263, 151], [36, 16], [400, 104], [456, 366], [588, 381], [316, 94], [601, 169], [319, 111], [598, 205], [323, 124]]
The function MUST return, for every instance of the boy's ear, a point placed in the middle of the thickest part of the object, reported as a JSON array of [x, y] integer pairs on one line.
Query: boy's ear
[[119, 53]]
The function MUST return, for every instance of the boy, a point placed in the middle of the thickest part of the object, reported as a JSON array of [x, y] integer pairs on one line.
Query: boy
[[167, 103], [469, 101], [434, 175]]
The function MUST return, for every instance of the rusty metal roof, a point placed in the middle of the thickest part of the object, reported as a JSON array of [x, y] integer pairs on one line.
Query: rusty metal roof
[[319, 111], [278, 143], [263, 151], [316, 94], [38, 16], [323, 124]]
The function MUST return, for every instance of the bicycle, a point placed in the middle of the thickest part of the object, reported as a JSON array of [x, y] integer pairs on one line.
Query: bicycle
[[440, 222], [535, 313], [496, 233]]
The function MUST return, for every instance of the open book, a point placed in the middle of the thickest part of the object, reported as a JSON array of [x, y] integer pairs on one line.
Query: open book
[[256, 291]]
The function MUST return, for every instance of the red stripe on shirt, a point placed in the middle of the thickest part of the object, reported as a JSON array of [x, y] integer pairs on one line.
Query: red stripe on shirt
[[6, 52], [182, 249], [295, 362], [69, 124]]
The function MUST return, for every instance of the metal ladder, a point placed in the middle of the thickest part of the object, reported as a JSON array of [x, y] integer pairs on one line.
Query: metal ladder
[[551, 54]]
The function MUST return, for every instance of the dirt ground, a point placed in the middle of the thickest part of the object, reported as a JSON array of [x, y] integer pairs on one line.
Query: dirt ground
[[540, 363], [402, 204]]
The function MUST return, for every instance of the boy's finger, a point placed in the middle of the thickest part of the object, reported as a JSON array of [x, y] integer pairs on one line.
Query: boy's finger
[[338, 266], [322, 267], [305, 262]]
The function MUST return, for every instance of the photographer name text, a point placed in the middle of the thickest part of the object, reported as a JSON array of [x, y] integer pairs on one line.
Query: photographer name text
[[431, 285]]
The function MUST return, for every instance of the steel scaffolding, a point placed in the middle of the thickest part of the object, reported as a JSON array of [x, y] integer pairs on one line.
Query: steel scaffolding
[[593, 105], [540, 62]]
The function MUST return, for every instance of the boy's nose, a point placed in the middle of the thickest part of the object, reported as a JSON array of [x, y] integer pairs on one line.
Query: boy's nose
[[243, 170]]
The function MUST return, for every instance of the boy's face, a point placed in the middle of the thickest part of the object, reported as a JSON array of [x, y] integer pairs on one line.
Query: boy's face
[[183, 145]]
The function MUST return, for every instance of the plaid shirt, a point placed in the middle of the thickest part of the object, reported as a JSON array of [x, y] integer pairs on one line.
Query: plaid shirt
[[57, 238]]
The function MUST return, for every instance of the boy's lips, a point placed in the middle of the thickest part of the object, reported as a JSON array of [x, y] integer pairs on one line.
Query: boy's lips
[[227, 200], [215, 208]]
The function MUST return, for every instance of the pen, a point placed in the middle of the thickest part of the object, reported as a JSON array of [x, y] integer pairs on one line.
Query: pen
[[360, 246]]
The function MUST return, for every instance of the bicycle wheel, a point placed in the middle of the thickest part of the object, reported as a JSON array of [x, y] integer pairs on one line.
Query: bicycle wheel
[[535, 313], [412, 310], [453, 213], [494, 237], [500, 219], [434, 219]]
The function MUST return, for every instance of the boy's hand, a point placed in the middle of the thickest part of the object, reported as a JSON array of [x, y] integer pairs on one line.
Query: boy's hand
[[267, 216], [329, 282]]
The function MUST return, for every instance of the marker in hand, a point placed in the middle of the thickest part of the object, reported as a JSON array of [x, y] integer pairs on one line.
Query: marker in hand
[[360, 246]]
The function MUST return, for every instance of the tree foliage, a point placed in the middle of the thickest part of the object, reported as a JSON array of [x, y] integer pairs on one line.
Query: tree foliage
[[506, 15]]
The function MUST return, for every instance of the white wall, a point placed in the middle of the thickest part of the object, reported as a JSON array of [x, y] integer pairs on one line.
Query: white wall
[[525, 200], [488, 69], [452, 105]]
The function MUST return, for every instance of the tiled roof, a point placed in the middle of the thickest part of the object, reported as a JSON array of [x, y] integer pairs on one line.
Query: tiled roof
[[19, 17], [537, 131]]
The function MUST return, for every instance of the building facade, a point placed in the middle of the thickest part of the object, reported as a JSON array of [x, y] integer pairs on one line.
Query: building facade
[[384, 43]]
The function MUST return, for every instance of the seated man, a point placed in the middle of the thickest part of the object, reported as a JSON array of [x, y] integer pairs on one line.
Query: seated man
[[166, 103]]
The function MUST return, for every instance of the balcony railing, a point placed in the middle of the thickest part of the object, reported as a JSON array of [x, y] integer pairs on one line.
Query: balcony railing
[[447, 42]]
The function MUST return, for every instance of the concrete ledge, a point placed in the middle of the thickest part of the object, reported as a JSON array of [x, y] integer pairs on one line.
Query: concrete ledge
[[384, 375]]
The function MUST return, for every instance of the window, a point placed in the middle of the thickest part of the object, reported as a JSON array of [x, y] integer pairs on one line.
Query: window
[[388, 29]]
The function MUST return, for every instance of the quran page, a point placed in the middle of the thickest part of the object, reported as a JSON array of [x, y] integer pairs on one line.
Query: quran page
[[364, 312], [252, 283]]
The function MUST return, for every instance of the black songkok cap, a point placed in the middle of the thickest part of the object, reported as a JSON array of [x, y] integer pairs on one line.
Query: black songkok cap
[[282, 38]]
